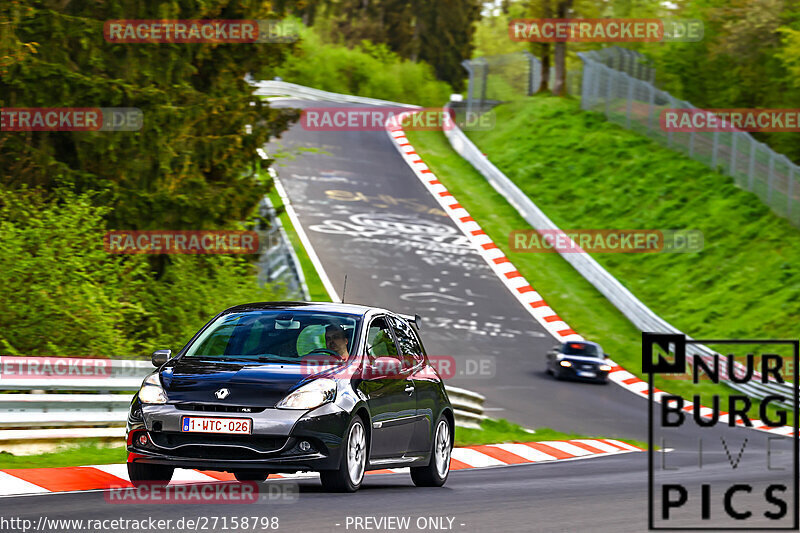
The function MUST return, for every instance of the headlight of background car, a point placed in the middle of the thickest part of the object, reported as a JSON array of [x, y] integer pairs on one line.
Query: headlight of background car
[[310, 395], [151, 391], [565, 363], [605, 368]]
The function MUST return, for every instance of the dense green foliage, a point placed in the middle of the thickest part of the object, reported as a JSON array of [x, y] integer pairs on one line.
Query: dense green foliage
[[365, 70], [63, 294], [437, 32], [748, 58], [190, 167]]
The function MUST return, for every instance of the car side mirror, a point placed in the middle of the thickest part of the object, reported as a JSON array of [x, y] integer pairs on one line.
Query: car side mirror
[[385, 367], [606, 356], [159, 357]]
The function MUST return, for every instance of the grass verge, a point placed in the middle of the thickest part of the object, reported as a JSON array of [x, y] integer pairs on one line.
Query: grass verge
[[93, 452], [90, 452], [595, 197]]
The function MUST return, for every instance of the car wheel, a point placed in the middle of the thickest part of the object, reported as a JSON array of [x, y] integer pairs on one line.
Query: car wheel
[[435, 474], [147, 474], [250, 475], [353, 463]]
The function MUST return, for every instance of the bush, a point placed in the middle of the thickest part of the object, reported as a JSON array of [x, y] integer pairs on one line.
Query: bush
[[63, 294], [370, 70]]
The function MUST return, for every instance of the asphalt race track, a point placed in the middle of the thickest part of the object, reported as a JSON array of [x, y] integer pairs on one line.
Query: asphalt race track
[[369, 217]]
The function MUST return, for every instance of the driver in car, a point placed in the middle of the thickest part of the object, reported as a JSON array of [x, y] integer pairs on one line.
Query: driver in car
[[336, 340]]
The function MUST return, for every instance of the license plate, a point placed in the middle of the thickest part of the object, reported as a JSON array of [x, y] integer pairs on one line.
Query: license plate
[[236, 426], [587, 374]]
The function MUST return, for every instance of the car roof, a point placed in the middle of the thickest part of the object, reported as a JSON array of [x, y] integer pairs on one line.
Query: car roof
[[325, 307]]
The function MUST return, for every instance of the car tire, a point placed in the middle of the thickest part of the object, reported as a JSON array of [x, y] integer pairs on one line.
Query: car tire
[[149, 474], [250, 475], [350, 474], [438, 469]]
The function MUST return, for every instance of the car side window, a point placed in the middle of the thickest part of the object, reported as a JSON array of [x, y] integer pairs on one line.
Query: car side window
[[410, 346], [379, 340]]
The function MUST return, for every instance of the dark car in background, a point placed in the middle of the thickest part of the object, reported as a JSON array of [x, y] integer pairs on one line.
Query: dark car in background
[[282, 387], [580, 360]]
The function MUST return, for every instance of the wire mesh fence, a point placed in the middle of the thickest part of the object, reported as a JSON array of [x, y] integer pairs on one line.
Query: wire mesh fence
[[637, 105]]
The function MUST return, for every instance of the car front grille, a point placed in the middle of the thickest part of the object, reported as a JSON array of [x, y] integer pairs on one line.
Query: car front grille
[[210, 446], [217, 408]]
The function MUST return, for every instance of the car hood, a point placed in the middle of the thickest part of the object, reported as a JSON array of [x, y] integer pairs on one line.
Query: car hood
[[249, 384]]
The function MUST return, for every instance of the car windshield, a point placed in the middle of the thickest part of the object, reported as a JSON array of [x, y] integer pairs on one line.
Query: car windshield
[[579, 348], [280, 336]]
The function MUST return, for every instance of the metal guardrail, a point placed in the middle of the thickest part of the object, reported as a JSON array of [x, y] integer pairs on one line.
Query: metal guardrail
[[282, 88], [636, 311], [23, 416], [278, 261]]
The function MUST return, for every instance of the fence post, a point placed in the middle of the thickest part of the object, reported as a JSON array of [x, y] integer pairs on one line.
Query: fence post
[[629, 104], [531, 80], [672, 106], [714, 150], [483, 85], [770, 175], [467, 64], [790, 188], [609, 73], [734, 137], [752, 167], [650, 108], [691, 134]]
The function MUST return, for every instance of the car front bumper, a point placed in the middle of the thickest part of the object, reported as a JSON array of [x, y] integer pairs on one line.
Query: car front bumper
[[274, 443], [581, 374]]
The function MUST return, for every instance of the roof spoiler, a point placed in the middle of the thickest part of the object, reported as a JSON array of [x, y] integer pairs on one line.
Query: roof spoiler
[[414, 319]]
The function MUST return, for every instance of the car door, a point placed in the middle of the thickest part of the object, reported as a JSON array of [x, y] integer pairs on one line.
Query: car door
[[427, 385], [391, 398]]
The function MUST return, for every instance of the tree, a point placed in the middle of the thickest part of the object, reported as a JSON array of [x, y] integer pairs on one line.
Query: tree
[[439, 32], [191, 165]]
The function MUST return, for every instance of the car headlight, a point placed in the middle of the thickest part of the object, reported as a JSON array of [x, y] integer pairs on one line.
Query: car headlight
[[565, 363], [152, 391], [605, 368], [310, 395]]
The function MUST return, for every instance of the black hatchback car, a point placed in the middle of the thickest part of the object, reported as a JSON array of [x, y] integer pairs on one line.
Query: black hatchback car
[[581, 360], [282, 387]]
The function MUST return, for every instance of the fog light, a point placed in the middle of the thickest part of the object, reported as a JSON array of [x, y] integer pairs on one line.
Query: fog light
[[305, 445], [565, 363], [143, 439]]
